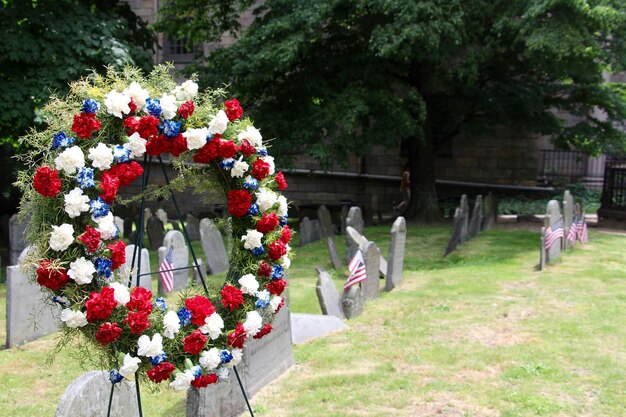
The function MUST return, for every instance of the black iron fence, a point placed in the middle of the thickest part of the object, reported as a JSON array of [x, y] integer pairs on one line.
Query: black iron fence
[[568, 167], [613, 203]]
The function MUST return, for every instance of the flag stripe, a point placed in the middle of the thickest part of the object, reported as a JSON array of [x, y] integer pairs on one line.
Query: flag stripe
[[357, 271], [165, 274]]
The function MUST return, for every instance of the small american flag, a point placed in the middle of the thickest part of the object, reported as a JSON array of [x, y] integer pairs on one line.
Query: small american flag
[[553, 233], [166, 275], [572, 232], [357, 271], [582, 234]]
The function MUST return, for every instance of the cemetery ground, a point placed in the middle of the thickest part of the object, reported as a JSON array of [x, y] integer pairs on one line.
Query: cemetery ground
[[479, 333]]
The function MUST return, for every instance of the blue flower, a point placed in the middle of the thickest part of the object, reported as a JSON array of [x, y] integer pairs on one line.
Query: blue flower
[[158, 358], [153, 106], [115, 376], [85, 178], [227, 163], [277, 272], [262, 151], [284, 220], [209, 137], [184, 316], [103, 266], [226, 356], [61, 140], [263, 299], [99, 207], [60, 300], [170, 128], [197, 371], [121, 153], [90, 106], [258, 251], [160, 303], [250, 183], [253, 210]]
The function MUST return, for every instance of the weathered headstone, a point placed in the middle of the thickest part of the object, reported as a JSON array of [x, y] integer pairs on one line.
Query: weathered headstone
[[343, 215], [180, 259], [306, 231], [490, 210], [88, 396], [147, 214], [128, 228], [196, 274], [357, 241], [465, 223], [327, 294], [155, 232], [311, 326], [477, 218], [568, 214], [397, 246], [371, 285], [332, 252], [145, 281], [162, 215], [457, 227], [17, 240], [213, 247], [355, 219], [192, 224], [352, 302], [553, 221], [317, 229], [326, 223]]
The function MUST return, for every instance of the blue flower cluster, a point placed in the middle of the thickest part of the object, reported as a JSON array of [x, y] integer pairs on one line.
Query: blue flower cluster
[[170, 128], [103, 266], [262, 151], [61, 140], [99, 207], [258, 251], [161, 357], [197, 371], [153, 106], [115, 376], [226, 356], [253, 210], [90, 106], [121, 153], [250, 183], [263, 299], [85, 178], [184, 316], [160, 303], [284, 220], [227, 163], [277, 272], [60, 300]]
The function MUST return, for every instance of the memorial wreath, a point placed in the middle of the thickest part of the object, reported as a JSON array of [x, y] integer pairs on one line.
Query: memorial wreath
[[77, 164]]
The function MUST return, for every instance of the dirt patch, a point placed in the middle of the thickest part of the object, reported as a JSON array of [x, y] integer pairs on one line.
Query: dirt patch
[[475, 375], [503, 333], [519, 285]]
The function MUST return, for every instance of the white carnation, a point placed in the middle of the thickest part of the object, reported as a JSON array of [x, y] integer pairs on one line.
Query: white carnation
[[285, 261], [61, 237], [252, 239], [253, 323], [182, 380], [130, 366], [121, 293], [196, 138], [70, 160], [117, 103], [239, 168], [210, 359], [282, 206], [106, 226], [252, 135], [168, 106], [73, 318], [186, 91], [265, 199], [218, 123], [275, 302], [270, 161], [150, 347], [249, 284], [237, 356], [102, 156], [213, 326], [76, 202], [171, 324], [137, 145], [138, 94], [81, 271]]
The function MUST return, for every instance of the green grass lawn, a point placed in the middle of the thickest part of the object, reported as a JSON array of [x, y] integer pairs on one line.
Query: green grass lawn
[[480, 333]]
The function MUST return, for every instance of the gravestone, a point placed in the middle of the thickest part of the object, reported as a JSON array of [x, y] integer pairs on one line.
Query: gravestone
[[477, 218], [327, 294], [192, 224], [343, 215], [196, 274], [355, 219], [17, 240], [213, 247], [352, 302], [147, 215], [317, 230], [88, 396], [357, 241], [332, 252], [162, 215], [491, 211], [457, 227], [568, 214], [128, 228], [145, 281], [371, 285], [326, 223], [553, 221], [465, 223], [119, 222], [27, 304], [306, 231], [155, 232], [311, 326], [397, 246], [180, 259]]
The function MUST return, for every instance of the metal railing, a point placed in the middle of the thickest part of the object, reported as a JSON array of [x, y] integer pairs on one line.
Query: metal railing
[[614, 189], [568, 167]]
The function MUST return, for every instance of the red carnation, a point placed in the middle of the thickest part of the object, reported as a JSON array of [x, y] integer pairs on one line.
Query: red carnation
[[237, 337], [194, 343], [246, 148], [100, 304], [276, 250], [107, 333], [285, 236], [267, 223], [204, 380], [131, 124], [233, 109], [177, 145], [265, 330], [156, 145], [260, 169], [277, 286], [140, 300], [239, 202], [146, 126], [137, 321], [50, 277], [132, 106], [200, 308], [232, 297], [91, 238], [109, 184], [282, 303], [226, 149], [207, 153], [85, 124], [161, 372], [46, 182], [265, 270], [126, 172], [280, 180], [118, 253], [186, 109]]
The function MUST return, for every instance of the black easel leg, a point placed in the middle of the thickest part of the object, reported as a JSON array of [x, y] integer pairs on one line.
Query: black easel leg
[[243, 391], [110, 400]]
